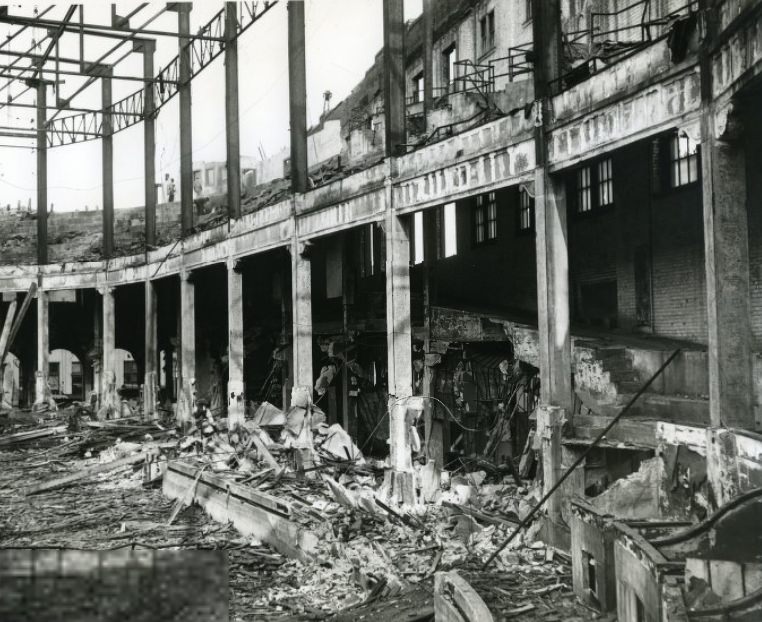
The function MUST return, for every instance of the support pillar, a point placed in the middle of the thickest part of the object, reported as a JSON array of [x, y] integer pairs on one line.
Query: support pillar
[[553, 291], [151, 380], [236, 354], [109, 407], [399, 351], [148, 48], [549, 422], [428, 60], [187, 385], [186, 135], [231, 112], [42, 175], [107, 161], [297, 96], [41, 390], [434, 426], [726, 251], [301, 301], [394, 77]]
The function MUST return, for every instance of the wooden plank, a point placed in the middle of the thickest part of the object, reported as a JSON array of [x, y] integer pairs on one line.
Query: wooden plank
[[17, 322], [4, 337], [18, 437], [73, 478]]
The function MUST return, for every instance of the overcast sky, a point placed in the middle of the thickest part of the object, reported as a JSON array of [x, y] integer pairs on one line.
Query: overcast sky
[[343, 37]]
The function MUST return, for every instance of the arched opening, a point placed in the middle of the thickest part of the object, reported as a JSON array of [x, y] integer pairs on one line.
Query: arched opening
[[66, 374], [11, 382]]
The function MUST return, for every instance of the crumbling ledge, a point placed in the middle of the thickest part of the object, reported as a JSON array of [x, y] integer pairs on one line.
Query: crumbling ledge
[[256, 514]]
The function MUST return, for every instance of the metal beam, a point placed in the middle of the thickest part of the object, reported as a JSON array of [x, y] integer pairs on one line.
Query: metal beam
[[82, 74], [56, 35], [148, 47], [394, 77], [186, 119], [165, 86], [94, 29], [232, 129], [297, 96], [42, 176], [108, 170], [89, 110]]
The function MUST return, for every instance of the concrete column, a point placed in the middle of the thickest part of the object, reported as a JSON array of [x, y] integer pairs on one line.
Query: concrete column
[[434, 426], [549, 422], [394, 76], [42, 176], [109, 407], [187, 388], [41, 390], [301, 306], [231, 112], [236, 354], [148, 48], [553, 291], [186, 135], [399, 350], [151, 379], [107, 161], [726, 245]]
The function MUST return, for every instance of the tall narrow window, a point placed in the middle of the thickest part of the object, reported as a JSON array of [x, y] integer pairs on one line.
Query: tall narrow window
[[584, 202], [526, 211], [448, 65], [605, 183], [417, 237], [485, 218], [487, 32], [448, 245], [418, 88], [369, 259], [683, 168], [528, 9]]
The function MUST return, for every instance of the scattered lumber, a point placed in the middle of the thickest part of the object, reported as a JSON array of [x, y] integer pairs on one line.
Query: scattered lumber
[[20, 437], [73, 478]]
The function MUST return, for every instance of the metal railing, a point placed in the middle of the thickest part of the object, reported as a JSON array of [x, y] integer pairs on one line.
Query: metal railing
[[612, 36], [518, 62]]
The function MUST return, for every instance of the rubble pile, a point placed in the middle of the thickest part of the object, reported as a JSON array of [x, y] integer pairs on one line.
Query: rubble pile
[[371, 553]]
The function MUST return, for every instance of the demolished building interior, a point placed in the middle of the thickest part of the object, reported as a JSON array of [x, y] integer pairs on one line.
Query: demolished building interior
[[492, 351]]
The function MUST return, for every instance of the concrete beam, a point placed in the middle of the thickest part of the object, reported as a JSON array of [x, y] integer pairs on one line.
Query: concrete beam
[[186, 119], [726, 253], [187, 385], [151, 381], [253, 513], [107, 162], [297, 96], [301, 313], [394, 77], [41, 390], [232, 131], [236, 389]]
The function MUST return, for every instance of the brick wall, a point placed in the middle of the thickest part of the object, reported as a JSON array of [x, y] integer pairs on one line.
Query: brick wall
[[754, 201], [668, 225]]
